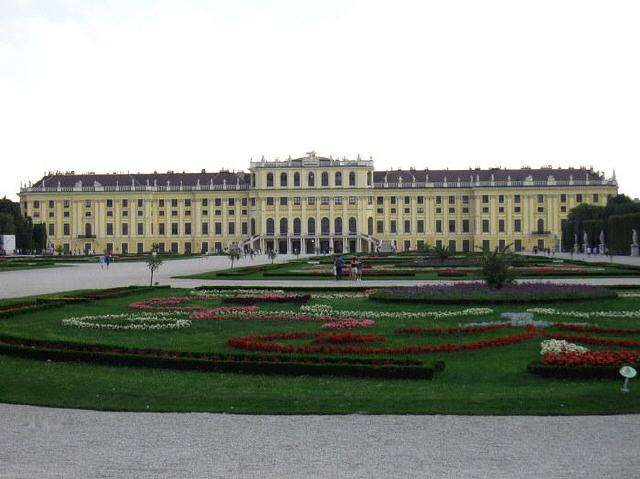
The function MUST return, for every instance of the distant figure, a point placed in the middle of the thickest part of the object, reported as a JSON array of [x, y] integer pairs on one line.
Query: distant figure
[[354, 268], [339, 263], [101, 261], [108, 259]]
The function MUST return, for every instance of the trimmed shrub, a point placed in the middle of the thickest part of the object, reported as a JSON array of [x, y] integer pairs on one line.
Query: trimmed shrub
[[620, 232]]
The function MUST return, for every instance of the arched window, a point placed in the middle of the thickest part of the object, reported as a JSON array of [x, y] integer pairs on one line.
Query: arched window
[[370, 225], [87, 230], [269, 180], [283, 180], [296, 226], [338, 178], [253, 226], [311, 179], [540, 225], [270, 226], [253, 179], [368, 178], [311, 226], [324, 179], [352, 179], [352, 226], [338, 226], [324, 226], [284, 226], [296, 179]]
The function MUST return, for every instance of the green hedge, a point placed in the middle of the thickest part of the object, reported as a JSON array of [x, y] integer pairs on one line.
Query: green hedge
[[253, 364], [575, 372], [620, 232]]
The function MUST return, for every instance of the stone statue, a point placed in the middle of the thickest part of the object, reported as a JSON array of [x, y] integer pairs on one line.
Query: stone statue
[[635, 248], [585, 238], [601, 236], [635, 237], [575, 238]]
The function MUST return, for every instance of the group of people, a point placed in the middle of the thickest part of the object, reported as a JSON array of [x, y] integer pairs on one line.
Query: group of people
[[105, 259], [355, 268]]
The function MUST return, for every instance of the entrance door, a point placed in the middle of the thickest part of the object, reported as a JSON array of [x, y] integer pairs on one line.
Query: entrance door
[[310, 246], [295, 246], [337, 246], [324, 246], [282, 246], [352, 246]]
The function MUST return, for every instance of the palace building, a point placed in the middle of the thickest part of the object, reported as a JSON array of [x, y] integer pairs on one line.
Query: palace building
[[311, 204]]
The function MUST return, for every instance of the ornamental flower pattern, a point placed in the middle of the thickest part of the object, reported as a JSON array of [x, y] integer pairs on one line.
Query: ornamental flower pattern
[[128, 322]]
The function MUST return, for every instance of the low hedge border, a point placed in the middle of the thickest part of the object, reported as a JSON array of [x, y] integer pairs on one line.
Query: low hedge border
[[365, 274], [253, 364], [575, 372], [353, 289]]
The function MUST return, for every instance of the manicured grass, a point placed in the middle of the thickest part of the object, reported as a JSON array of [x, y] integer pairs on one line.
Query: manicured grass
[[25, 266], [487, 381]]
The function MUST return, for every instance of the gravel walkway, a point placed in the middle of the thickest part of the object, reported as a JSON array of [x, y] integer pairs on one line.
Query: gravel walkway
[[61, 443]]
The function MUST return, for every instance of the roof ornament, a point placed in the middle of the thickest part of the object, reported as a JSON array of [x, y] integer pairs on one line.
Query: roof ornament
[[133, 183], [444, 181], [155, 182], [147, 181], [586, 181], [224, 183], [477, 178], [458, 183], [509, 180], [571, 179], [168, 184], [614, 175], [211, 183], [359, 158]]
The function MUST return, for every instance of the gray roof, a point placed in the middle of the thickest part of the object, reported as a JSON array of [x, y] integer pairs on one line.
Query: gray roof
[[538, 174], [141, 179]]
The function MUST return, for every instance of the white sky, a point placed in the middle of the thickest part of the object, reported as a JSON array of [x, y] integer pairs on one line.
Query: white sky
[[143, 86]]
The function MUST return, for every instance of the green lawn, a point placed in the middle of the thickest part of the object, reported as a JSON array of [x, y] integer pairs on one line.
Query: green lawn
[[488, 381]]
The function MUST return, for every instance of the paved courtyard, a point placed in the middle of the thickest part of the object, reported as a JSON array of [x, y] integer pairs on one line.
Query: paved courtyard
[[89, 275], [61, 443]]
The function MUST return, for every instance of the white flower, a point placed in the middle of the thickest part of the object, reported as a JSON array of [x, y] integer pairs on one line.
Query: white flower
[[560, 346]]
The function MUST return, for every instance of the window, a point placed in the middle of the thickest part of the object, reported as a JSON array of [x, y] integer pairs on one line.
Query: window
[[296, 200], [217, 202], [51, 229], [205, 202], [109, 203], [205, 228], [563, 198], [579, 198], [324, 226], [516, 209], [352, 179], [337, 223], [393, 200], [187, 203], [217, 227], [324, 200], [465, 226], [516, 198], [540, 209], [174, 228], [465, 199], [311, 200], [338, 178], [125, 203], [66, 203], [161, 203], [452, 200], [296, 179], [379, 226], [66, 229], [125, 229], [284, 226], [352, 226], [368, 178], [485, 209], [517, 226], [393, 226], [231, 228], [452, 210], [244, 201], [269, 200], [500, 198], [161, 229], [452, 226], [174, 203], [338, 200], [87, 203], [438, 200], [379, 200], [36, 204], [438, 226], [352, 200], [311, 226], [231, 202], [420, 200], [420, 226], [244, 227], [596, 198], [187, 228], [485, 199], [140, 202], [311, 179], [283, 201], [140, 229], [269, 180], [540, 225], [500, 226], [324, 179], [407, 211], [485, 226], [407, 226], [563, 209], [283, 180], [540, 198]]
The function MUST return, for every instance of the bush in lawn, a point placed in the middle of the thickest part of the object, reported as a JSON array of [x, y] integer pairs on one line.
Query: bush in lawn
[[496, 268], [441, 252]]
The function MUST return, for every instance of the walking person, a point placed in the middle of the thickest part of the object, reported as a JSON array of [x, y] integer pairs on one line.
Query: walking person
[[101, 261], [354, 269]]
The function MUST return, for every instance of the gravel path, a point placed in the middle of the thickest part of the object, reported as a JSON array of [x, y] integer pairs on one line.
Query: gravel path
[[89, 275], [61, 443]]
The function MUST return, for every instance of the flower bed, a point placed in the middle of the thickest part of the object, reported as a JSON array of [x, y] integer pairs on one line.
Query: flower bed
[[127, 322], [349, 324], [221, 293], [465, 293], [267, 298], [347, 338], [264, 343], [560, 346], [459, 330], [169, 303], [591, 358], [586, 314]]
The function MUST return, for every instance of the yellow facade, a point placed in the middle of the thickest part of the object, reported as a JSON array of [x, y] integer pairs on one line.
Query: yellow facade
[[311, 204]]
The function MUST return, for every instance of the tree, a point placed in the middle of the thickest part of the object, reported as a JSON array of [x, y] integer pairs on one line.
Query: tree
[[233, 253], [496, 267], [271, 254], [59, 249], [441, 252], [153, 263]]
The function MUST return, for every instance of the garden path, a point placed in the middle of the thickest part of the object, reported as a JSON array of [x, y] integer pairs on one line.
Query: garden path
[[48, 443]]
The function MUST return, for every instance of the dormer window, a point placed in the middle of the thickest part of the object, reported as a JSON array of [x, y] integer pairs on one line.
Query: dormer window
[[269, 180], [352, 179], [283, 180], [338, 178], [324, 179], [296, 179], [311, 180]]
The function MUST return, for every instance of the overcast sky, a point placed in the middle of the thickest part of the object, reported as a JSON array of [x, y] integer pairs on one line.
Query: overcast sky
[[186, 85]]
